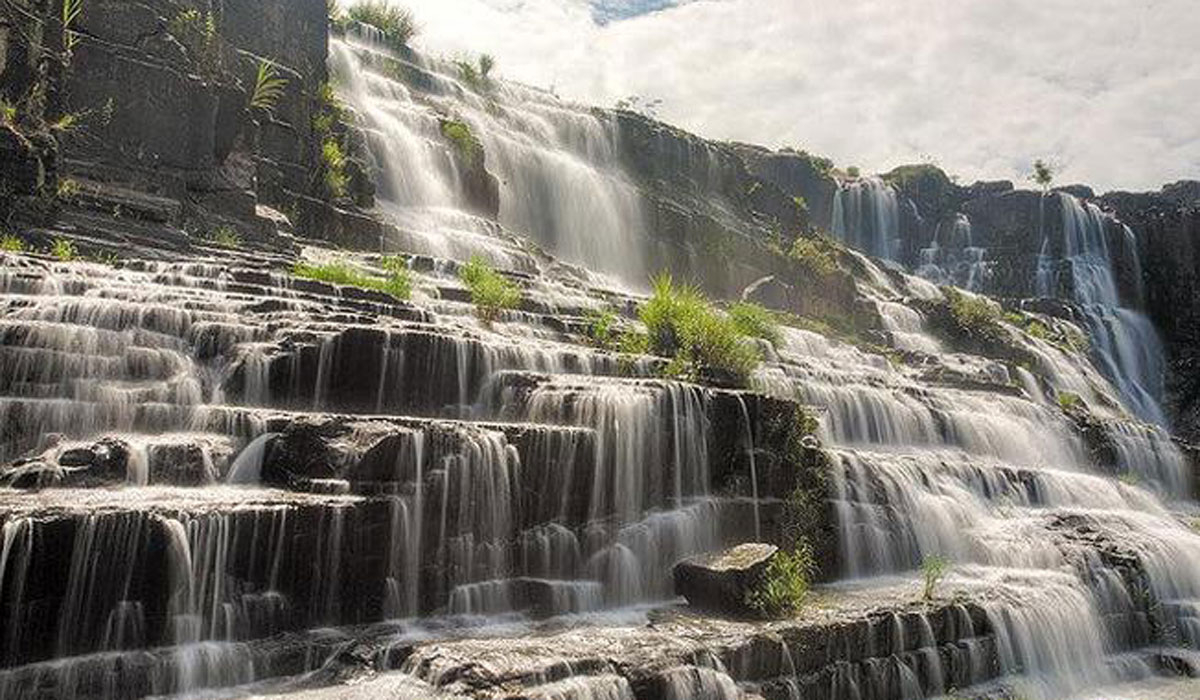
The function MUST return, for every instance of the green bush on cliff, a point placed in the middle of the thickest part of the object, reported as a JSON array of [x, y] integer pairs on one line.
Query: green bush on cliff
[[602, 329], [64, 250], [396, 24], [460, 136], [814, 255], [491, 292], [682, 325], [785, 585], [12, 244], [974, 315], [8, 113], [333, 168], [755, 321], [397, 283], [197, 32]]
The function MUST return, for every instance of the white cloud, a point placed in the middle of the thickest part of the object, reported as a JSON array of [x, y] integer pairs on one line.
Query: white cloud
[[1108, 88]]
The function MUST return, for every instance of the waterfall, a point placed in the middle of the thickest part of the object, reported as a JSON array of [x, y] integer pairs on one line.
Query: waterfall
[[557, 164], [953, 258], [1124, 341], [866, 216]]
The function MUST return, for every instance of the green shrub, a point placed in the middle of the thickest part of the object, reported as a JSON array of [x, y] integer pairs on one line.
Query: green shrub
[[333, 166], [64, 250], [197, 32], [459, 135], [801, 204], [491, 292], [226, 237], [974, 314], [12, 244], [396, 24], [815, 256], [632, 342], [398, 283], [785, 584], [682, 325], [1069, 401], [602, 329], [67, 188], [933, 568], [268, 87], [8, 112], [755, 321], [853, 171], [66, 123]]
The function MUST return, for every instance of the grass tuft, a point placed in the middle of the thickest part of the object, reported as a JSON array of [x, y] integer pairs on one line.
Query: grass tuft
[[491, 292], [10, 243], [682, 325], [64, 250], [395, 23], [398, 282], [755, 321], [785, 585]]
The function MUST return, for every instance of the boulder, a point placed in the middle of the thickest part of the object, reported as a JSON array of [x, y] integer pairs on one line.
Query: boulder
[[718, 582], [72, 466]]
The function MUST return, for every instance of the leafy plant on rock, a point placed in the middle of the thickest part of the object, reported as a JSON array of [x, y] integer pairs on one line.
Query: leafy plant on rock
[[785, 584], [491, 292], [682, 325], [933, 569], [268, 87], [395, 24]]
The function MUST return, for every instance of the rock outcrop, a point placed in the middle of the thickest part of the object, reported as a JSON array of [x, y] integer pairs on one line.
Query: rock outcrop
[[721, 582]]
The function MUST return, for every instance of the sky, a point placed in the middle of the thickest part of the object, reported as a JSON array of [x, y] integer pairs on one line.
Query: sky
[[1107, 90]]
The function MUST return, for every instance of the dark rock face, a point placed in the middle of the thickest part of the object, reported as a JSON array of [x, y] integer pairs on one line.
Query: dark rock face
[[720, 582]]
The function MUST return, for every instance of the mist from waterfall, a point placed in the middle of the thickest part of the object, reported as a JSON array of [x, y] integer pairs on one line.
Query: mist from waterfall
[[560, 180]]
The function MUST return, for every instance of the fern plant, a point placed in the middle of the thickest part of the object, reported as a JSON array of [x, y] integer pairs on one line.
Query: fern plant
[[268, 87], [71, 9]]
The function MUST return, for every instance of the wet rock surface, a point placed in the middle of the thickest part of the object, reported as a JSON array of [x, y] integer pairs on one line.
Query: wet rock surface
[[721, 581]]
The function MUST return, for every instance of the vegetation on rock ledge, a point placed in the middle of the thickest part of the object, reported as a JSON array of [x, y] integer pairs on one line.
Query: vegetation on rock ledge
[[785, 585], [491, 292], [681, 324], [396, 24], [398, 283]]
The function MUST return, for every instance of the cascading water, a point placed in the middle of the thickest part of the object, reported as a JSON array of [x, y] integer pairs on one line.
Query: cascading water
[[1000, 485], [953, 258], [866, 216], [1124, 341], [560, 180]]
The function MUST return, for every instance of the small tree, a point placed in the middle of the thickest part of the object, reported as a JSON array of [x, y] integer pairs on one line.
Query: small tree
[[934, 570], [1043, 174]]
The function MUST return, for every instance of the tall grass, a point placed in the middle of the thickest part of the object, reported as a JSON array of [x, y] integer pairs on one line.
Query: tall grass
[[785, 585], [681, 324], [395, 23], [397, 283], [491, 292]]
